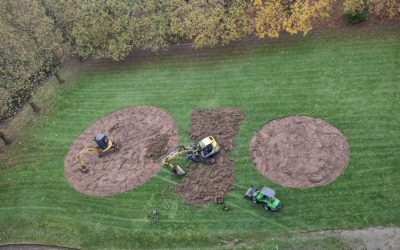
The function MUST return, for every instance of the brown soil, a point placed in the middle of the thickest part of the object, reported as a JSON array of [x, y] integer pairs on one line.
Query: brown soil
[[299, 151], [143, 134], [206, 182]]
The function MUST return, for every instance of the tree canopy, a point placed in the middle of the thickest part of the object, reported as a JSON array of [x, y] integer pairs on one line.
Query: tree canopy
[[389, 8], [37, 35], [29, 48], [112, 28]]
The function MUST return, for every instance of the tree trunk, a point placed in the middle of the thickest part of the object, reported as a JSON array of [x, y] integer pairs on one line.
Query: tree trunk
[[59, 79], [6, 140], [34, 107]]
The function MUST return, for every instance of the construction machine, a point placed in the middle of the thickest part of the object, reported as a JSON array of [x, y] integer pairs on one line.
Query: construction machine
[[104, 147], [202, 152], [265, 196]]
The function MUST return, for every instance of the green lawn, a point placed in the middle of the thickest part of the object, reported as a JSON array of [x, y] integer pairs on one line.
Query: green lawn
[[350, 78]]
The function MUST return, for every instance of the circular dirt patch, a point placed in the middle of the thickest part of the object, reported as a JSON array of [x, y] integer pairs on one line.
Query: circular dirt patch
[[143, 134], [299, 151]]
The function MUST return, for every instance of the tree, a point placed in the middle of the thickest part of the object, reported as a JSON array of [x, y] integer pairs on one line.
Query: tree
[[208, 23], [94, 28], [28, 42], [388, 8], [356, 11], [151, 24], [293, 16]]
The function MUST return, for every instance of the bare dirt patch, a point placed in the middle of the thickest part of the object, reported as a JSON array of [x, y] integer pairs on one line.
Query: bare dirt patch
[[206, 182], [143, 134], [299, 151], [372, 238]]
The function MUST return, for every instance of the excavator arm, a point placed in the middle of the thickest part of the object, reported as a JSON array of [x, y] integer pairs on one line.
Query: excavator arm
[[104, 146], [180, 150], [84, 151], [203, 152]]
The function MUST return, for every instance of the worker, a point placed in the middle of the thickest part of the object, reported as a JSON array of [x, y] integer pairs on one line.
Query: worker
[[154, 213]]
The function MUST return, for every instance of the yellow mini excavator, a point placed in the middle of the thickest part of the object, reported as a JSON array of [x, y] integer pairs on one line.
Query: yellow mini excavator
[[202, 152], [104, 147]]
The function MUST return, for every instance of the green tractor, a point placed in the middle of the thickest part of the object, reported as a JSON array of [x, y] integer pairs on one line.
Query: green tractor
[[264, 196]]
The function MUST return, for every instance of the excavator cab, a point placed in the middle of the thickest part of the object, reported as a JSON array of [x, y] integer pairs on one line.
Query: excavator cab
[[208, 147], [203, 153], [104, 146], [101, 141]]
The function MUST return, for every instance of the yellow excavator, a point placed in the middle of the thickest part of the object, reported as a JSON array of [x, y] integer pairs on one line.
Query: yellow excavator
[[104, 147], [202, 152]]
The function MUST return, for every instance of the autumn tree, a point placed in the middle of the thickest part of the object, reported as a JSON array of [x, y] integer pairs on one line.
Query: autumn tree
[[208, 23], [28, 43], [151, 24], [356, 11], [293, 16], [386, 8], [101, 29]]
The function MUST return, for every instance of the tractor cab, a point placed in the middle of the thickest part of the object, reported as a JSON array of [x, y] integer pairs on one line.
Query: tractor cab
[[265, 196], [102, 141], [267, 192], [208, 147]]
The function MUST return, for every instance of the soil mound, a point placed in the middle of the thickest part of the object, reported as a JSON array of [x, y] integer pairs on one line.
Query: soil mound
[[299, 151], [143, 134], [206, 182]]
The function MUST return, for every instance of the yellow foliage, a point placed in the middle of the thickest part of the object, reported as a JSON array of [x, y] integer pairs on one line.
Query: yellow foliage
[[355, 6], [209, 23], [269, 19], [389, 8], [292, 16]]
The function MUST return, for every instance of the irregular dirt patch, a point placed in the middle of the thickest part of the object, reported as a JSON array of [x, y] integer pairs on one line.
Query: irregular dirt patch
[[372, 238], [206, 182], [299, 151], [143, 134]]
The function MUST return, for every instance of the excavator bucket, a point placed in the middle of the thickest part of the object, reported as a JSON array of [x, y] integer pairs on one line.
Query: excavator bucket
[[178, 170]]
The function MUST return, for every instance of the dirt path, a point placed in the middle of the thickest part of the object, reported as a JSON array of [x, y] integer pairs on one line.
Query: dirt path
[[204, 183], [299, 151], [143, 133], [372, 238]]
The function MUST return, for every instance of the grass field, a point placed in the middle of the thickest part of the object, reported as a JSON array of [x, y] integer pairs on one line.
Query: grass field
[[351, 78]]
